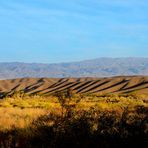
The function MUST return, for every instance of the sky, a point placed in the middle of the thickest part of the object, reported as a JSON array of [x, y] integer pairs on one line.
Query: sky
[[53, 31]]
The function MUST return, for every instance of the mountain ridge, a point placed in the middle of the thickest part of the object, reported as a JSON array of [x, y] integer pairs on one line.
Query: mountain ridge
[[101, 67]]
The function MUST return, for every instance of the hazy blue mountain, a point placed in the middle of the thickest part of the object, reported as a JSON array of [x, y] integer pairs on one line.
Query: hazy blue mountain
[[100, 67]]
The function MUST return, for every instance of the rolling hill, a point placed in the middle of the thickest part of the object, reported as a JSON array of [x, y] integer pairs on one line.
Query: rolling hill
[[102, 67], [119, 85]]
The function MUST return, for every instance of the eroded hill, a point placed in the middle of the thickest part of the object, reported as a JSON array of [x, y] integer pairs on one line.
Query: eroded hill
[[127, 84]]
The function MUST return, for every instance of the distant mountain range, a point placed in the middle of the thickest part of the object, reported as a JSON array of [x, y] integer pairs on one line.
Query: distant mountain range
[[101, 67]]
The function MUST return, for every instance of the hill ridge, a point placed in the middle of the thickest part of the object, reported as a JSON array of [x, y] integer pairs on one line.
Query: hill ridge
[[106, 85]]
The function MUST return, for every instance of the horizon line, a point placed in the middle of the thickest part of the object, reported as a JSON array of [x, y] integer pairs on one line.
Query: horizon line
[[62, 62]]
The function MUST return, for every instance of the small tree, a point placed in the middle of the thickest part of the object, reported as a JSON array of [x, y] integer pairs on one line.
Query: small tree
[[64, 98]]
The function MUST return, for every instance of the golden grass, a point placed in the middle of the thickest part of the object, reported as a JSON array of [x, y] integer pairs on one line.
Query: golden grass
[[19, 111], [30, 102], [45, 121], [19, 118]]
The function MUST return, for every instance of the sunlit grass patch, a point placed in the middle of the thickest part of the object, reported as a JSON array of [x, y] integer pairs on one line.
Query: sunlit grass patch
[[18, 118]]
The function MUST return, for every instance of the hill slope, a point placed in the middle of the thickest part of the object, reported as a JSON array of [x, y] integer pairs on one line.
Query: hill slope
[[102, 67], [80, 85]]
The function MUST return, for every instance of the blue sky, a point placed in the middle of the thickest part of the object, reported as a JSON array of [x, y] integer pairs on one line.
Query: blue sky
[[50, 31]]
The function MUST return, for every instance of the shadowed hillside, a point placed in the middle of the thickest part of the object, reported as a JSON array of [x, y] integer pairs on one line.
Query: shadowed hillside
[[127, 84]]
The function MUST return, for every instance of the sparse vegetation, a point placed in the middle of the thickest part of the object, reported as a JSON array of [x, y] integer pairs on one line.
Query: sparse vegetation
[[66, 119]]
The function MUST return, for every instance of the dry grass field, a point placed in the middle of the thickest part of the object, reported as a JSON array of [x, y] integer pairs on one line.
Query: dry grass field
[[66, 119]]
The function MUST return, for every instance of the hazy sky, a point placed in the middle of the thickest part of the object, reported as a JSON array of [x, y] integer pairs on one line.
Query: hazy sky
[[48, 31]]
